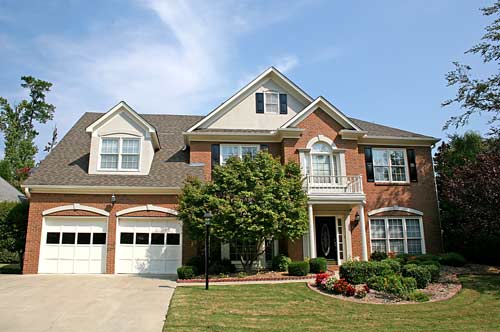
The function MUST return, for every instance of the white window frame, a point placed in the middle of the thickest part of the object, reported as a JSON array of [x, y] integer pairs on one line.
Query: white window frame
[[334, 167], [265, 102], [389, 164], [239, 150], [120, 154], [405, 235]]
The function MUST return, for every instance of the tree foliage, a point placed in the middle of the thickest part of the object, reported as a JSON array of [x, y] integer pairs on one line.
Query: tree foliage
[[468, 181], [17, 122], [478, 95], [13, 223], [252, 200]]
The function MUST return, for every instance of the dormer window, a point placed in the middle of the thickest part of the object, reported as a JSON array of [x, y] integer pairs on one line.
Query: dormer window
[[272, 102], [120, 154]]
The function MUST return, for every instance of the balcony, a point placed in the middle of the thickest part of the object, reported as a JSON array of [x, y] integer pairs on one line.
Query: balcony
[[334, 185]]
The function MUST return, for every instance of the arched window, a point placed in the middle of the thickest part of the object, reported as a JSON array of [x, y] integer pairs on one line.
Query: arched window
[[323, 163]]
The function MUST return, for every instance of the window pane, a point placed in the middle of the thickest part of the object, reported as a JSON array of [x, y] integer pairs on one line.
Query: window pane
[[379, 245], [320, 147], [173, 238], [413, 228], [68, 238], [398, 173], [126, 238], [272, 100], [109, 145], [321, 165], [158, 238], [228, 151], [109, 161], [377, 227], [395, 228], [380, 157], [381, 173], [141, 238], [240, 248], [53, 237], [99, 238], [130, 146], [397, 246], [397, 158], [83, 238], [249, 150], [130, 161], [414, 246]]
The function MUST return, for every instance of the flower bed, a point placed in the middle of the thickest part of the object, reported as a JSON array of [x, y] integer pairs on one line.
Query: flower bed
[[239, 277]]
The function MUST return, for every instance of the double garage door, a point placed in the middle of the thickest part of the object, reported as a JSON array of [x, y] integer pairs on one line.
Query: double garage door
[[78, 245]]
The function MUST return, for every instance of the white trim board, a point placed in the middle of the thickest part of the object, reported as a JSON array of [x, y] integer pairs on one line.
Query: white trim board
[[148, 207], [74, 207], [395, 208]]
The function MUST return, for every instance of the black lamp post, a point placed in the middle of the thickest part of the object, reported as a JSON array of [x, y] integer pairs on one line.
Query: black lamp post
[[208, 217]]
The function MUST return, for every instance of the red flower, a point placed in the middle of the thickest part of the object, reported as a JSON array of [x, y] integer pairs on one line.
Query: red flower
[[320, 277]]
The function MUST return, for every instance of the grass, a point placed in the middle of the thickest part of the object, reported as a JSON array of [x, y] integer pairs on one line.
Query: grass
[[10, 268], [293, 307]]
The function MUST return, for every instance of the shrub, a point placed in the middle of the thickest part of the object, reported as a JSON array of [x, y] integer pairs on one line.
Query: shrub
[[435, 263], [222, 267], [185, 272], [394, 285], [403, 258], [359, 272], [280, 263], [418, 296], [13, 224], [317, 265], [198, 264], [394, 264], [433, 270], [298, 268], [378, 256], [320, 277], [409, 283], [452, 259], [420, 273], [427, 257], [376, 283], [361, 293], [329, 283], [341, 286]]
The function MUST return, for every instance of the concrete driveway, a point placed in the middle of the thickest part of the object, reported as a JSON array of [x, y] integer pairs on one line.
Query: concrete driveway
[[83, 303]]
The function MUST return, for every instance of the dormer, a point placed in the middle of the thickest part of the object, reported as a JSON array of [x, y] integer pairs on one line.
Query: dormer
[[122, 143]]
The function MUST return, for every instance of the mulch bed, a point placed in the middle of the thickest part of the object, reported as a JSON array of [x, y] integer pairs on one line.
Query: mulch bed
[[261, 276], [447, 287]]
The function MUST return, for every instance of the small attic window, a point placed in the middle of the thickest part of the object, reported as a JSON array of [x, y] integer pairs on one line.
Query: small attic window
[[119, 154], [271, 102]]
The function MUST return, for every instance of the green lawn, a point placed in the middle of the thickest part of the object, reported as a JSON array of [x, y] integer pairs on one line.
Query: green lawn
[[293, 307], [10, 268]]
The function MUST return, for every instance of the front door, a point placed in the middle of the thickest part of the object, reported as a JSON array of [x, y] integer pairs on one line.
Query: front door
[[326, 243]]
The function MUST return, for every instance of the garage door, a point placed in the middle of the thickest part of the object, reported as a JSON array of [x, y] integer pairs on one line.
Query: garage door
[[149, 245], [73, 245]]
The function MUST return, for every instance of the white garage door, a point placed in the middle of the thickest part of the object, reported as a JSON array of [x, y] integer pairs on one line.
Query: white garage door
[[73, 245], [148, 245]]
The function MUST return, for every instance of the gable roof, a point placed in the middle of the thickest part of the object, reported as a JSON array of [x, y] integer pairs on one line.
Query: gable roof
[[8, 193], [267, 74], [135, 116], [68, 163], [328, 108]]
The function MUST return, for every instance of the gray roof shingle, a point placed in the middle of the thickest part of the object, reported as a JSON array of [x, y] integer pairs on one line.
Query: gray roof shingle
[[8, 193]]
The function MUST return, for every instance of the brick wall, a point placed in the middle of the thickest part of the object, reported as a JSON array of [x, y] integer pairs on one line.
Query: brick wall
[[41, 202]]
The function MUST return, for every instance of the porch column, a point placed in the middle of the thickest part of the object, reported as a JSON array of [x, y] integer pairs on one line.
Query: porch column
[[312, 234], [364, 250]]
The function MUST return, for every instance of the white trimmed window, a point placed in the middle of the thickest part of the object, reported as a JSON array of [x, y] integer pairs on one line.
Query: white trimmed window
[[390, 165], [271, 101], [234, 150], [120, 154], [397, 234]]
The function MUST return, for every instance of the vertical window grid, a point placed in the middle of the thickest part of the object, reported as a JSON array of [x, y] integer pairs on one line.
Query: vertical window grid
[[390, 165], [397, 234]]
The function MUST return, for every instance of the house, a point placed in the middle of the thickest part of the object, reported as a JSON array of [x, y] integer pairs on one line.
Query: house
[[8, 193], [105, 199]]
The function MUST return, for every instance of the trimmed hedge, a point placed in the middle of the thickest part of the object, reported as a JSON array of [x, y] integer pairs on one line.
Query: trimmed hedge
[[360, 272], [185, 272], [298, 268], [452, 259], [377, 283], [421, 274], [393, 284], [280, 263], [198, 264], [378, 256], [317, 265], [433, 270], [394, 264]]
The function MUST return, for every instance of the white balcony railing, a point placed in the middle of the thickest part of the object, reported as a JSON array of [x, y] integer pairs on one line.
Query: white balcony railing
[[334, 184]]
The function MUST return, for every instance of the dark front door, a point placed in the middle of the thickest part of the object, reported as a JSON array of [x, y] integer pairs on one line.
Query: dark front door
[[326, 239]]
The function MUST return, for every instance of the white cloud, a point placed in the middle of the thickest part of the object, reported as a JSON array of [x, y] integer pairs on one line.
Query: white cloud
[[286, 63]]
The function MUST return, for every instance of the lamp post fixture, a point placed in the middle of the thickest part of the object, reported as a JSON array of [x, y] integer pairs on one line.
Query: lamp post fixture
[[208, 217]]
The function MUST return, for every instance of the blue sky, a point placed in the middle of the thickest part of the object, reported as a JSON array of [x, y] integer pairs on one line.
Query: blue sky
[[382, 61]]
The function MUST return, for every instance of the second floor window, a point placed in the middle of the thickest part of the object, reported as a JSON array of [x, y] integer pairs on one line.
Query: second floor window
[[272, 102], [389, 165], [120, 153], [231, 150]]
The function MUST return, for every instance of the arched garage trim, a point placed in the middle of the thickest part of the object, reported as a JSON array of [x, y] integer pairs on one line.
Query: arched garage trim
[[148, 207], [75, 206], [396, 208]]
